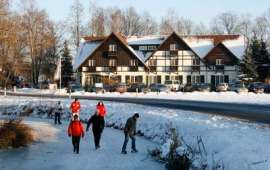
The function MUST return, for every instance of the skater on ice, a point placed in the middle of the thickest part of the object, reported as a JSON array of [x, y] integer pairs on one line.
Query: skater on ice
[[75, 107]]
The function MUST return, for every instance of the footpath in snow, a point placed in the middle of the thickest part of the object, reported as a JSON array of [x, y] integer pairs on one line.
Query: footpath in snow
[[54, 152]]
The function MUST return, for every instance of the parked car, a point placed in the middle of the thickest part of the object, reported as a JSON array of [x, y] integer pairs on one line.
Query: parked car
[[238, 87], [203, 87], [120, 87], [222, 87], [256, 87], [137, 87], [174, 85], [267, 88], [74, 88], [156, 87], [188, 88]]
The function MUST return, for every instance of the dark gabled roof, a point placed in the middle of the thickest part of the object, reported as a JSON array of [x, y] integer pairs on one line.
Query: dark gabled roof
[[98, 42]]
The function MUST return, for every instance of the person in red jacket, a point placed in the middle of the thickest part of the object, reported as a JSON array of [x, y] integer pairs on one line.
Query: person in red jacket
[[75, 107], [101, 109], [76, 131]]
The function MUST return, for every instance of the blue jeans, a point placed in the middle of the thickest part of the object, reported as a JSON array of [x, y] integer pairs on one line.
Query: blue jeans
[[133, 140]]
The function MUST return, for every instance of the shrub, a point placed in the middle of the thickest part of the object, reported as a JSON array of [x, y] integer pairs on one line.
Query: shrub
[[15, 134]]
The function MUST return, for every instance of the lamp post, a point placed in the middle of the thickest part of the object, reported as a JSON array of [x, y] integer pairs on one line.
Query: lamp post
[[60, 74]]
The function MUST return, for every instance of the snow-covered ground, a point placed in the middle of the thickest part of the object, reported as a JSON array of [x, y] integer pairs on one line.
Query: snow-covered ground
[[54, 152], [239, 144], [227, 97]]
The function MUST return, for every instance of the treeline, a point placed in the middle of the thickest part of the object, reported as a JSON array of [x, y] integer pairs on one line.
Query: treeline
[[28, 44], [102, 21]]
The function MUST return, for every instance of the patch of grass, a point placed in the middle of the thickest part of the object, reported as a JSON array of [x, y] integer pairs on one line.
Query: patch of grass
[[15, 134]]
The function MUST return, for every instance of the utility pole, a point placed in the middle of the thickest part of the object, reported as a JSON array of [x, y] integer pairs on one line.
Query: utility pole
[[60, 76]]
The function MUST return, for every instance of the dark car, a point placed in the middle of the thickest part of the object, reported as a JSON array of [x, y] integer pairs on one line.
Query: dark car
[[120, 87], [267, 88], [137, 87], [156, 87], [256, 87], [74, 88], [203, 87], [189, 88]]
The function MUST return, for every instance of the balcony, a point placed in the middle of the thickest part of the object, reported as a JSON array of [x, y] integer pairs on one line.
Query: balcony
[[112, 53], [133, 68], [173, 53], [153, 68], [173, 68], [112, 69], [219, 68], [195, 69]]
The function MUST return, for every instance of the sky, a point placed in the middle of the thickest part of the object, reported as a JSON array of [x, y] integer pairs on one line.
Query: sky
[[196, 10]]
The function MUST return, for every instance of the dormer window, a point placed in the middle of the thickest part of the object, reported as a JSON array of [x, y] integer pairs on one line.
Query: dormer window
[[219, 62], [143, 48], [173, 47], [112, 48]]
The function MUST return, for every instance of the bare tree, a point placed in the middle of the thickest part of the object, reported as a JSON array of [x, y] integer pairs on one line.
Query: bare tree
[[39, 37], [76, 22], [97, 21], [225, 23], [200, 29], [149, 25]]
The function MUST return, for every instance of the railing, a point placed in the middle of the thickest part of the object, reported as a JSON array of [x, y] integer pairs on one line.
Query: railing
[[219, 68], [195, 68], [133, 68], [173, 68]]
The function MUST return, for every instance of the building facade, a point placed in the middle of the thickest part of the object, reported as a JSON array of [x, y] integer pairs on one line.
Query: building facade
[[209, 59]]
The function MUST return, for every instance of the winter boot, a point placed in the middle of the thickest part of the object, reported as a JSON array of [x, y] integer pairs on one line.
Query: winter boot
[[124, 152]]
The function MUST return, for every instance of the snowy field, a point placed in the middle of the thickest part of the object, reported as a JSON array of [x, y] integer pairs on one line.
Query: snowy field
[[238, 144], [227, 97]]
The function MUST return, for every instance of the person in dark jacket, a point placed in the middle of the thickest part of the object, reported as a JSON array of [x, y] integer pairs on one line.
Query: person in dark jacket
[[98, 124], [76, 131], [57, 113], [130, 132]]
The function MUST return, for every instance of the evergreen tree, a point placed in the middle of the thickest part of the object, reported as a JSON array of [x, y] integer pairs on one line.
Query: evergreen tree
[[263, 67], [249, 67], [67, 69]]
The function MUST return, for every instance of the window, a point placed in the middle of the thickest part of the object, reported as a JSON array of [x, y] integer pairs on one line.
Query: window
[[195, 62], [112, 47], [174, 62], [92, 63], [112, 62], [195, 79], [219, 62], [152, 48], [143, 48], [133, 63], [152, 62], [173, 47]]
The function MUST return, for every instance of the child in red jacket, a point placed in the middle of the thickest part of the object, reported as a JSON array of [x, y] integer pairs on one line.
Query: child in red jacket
[[76, 130]]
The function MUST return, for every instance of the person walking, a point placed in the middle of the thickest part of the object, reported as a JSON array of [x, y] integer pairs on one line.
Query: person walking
[[98, 124], [130, 132], [76, 131], [101, 108], [58, 112], [75, 107]]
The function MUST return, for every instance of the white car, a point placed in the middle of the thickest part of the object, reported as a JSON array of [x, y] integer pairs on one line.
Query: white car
[[222, 87], [172, 84]]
